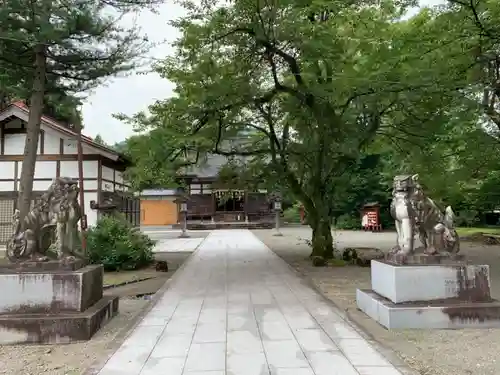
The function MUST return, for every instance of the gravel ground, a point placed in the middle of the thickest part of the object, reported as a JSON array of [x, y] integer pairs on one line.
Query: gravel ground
[[74, 359], [433, 352]]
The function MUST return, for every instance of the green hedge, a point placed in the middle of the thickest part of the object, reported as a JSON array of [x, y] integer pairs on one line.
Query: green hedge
[[292, 214], [115, 244]]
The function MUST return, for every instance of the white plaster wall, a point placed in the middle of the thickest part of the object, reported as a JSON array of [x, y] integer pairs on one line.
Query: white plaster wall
[[70, 146], [70, 168], [119, 177], [91, 214], [45, 169], [7, 169], [107, 173], [90, 185], [90, 168], [41, 185], [52, 140], [6, 185], [14, 144]]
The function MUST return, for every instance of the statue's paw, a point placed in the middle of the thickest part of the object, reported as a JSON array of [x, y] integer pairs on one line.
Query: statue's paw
[[431, 251], [68, 259], [395, 250]]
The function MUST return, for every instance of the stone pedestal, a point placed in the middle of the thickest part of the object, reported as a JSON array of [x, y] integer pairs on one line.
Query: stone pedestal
[[442, 295], [51, 302]]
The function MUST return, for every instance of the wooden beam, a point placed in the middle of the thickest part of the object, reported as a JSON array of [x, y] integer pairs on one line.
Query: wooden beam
[[50, 157], [61, 152], [46, 179], [42, 142], [2, 139], [16, 172], [14, 131], [99, 180]]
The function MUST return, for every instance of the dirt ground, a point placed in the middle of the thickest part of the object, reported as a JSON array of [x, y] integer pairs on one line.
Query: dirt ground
[[430, 352], [74, 359]]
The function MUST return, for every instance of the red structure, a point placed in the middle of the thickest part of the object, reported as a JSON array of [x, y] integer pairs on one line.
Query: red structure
[[302, 214], [370, 217]]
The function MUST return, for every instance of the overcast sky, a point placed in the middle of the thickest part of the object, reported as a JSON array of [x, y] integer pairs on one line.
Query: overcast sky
[[134, 93]]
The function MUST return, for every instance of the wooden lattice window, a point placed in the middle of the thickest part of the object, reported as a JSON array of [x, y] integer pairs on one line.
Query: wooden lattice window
[[6, 211]]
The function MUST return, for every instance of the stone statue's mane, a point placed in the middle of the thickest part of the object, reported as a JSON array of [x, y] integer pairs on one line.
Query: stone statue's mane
[[57, 208]]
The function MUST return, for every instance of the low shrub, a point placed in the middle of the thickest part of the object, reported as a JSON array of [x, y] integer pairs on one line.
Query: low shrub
[[292, 214], [115, 244], [348, 222], [467, 218]]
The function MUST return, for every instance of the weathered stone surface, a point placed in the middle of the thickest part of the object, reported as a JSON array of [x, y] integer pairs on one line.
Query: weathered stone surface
[[405, 283], [422, 259], [223, 225], [362, 256], [58, 328], [161, 266], [451, 314], [50, 292], [51, 265], [50, 228]]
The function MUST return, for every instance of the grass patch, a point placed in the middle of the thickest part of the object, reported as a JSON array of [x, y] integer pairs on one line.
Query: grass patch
[[471, 231], [337, 262]]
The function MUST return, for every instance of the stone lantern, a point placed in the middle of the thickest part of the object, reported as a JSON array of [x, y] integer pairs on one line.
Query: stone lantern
[[181, 202], [277, 211]]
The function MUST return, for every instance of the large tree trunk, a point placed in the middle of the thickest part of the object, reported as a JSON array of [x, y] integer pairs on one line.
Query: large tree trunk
[[32, 133], [322, 239]]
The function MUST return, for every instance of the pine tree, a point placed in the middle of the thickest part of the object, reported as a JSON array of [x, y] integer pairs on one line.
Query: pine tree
[[71, 45]]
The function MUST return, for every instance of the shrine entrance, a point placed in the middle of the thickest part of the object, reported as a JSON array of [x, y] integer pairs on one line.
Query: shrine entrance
[[230, 205]]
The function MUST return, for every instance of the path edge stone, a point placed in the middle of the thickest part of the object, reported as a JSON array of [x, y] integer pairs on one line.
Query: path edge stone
[[98, 364]]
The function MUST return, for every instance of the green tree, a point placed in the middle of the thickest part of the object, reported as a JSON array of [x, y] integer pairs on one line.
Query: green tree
[[72, 45], [98, 139], [296, 91], [460, 158]]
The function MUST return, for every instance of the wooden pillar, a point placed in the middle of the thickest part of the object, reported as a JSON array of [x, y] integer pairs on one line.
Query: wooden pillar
[[245, 205], [214, 206]]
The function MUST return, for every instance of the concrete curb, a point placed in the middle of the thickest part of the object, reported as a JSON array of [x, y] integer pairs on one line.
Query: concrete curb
[[127, 330], [111, 286]]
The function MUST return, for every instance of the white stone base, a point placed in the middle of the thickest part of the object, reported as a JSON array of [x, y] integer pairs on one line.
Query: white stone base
[[391, 316], [405, 283]]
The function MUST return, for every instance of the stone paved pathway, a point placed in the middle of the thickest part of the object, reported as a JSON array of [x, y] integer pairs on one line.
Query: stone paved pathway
[[237, 309], [177, 245]]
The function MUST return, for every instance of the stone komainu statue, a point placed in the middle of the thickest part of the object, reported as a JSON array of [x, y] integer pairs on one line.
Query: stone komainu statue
[[416, 213], [55, 217]]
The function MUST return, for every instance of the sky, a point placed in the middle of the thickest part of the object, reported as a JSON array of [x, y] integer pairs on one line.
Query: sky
[[135, 93]]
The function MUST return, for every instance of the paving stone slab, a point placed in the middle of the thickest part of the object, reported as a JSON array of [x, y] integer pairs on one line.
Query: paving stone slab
[[237, 309]]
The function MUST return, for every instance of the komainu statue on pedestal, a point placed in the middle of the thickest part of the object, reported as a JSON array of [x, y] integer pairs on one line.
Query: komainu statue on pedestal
[[415, 213], [50, 227]]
